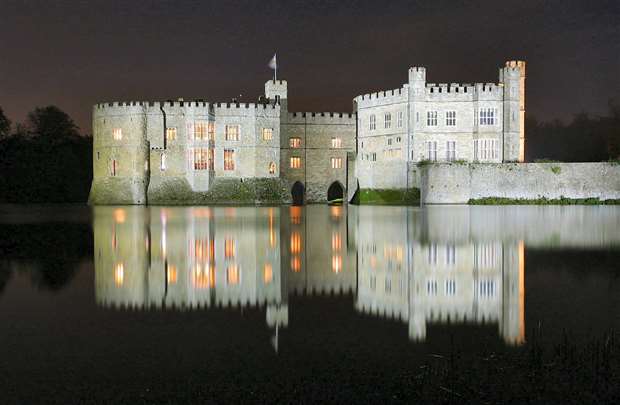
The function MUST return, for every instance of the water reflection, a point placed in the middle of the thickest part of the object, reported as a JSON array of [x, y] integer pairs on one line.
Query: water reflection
[[438, 265]]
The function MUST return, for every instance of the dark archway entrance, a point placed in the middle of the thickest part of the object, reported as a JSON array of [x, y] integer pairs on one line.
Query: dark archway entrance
[[335, 193], [299, 193]]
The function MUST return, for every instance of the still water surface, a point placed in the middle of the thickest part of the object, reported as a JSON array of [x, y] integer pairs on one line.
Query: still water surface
[[119, 303]]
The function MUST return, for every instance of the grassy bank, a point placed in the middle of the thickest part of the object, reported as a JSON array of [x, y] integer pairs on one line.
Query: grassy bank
[[388, 197], [541, 201]]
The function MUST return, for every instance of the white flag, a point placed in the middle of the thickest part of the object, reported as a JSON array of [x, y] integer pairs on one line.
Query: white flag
[[273, 63]]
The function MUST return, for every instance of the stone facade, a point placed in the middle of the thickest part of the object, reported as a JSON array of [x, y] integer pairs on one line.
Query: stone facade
[[482, 122], [200, 152]]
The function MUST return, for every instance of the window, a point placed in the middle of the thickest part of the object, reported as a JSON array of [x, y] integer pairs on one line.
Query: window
[[451, 151], [431, 287], [267, 134], [388, 120], [229, 159], [486, 149], [203, 159], [398, 139], [211, 131], [272, 168], [417, 117], [373, 157], [201, 130], [171, 134], [451, 118], [488, 116], [117, 134], [373, 122], [392, 153], [295, 162], [399, 119], [98, 155], [389, 141], [432, 254], [336, 163], [336, 143], [295, 142], [162, 164], [431, 118], [113, 167], [431, 150], [232, 133]]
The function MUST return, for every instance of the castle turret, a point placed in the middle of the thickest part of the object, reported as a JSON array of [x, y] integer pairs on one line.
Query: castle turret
[[513, 78], [276, 90]]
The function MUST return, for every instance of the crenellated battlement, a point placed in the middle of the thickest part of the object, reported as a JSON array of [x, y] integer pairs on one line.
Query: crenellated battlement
[[179, 103], [320, 118], [381, 94]]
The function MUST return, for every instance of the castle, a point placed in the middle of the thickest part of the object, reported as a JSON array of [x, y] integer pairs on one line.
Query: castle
[[178, 152]]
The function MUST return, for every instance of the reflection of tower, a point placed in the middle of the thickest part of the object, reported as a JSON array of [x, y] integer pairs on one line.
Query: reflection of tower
[[512, 324]]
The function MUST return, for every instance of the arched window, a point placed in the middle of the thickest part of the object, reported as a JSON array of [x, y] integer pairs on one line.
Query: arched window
[[272, 168]]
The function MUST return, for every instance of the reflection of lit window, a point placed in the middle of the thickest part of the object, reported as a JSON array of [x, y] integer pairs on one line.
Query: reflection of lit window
[[119, 274], [336, 263], [296, 264], [373, 261], [203, 277], [336, 242], [119, 215], [172, 274], [335, 211], [295, 215], [272, 234], [295, 242], [450, 287], [232, 274], [117, 134], [267, 273], [450, 255], [432, 254], [229, 248]]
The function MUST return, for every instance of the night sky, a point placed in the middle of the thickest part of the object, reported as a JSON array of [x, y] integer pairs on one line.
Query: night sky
[[77, 53]]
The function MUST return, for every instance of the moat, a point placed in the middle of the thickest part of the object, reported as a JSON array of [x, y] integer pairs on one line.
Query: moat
[[131, 304]]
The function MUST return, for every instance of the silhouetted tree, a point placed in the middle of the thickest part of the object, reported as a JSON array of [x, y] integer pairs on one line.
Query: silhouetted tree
[[51, 122], [5, 125]]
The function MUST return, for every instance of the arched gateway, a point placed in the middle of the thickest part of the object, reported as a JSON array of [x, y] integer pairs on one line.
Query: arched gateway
[[298, 192], [335, 193]]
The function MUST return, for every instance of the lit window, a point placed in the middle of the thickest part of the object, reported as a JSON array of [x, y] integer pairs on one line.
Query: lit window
[[336, 143], [399, 119], [267, 134], [295, 142], [373, 122], [229, 159], [200, 130], [451, 151], [487, 116], [387, 120], [336, 163], [431, 118], [272, 168], [171, 134], [232, 132], [232, 275], [211, 131], [295, 162], [117, 134], [203, 159], [163, 162], [431, 150], [450, 118]]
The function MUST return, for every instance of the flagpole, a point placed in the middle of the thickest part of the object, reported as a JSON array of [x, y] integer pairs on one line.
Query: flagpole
[[275, 71]]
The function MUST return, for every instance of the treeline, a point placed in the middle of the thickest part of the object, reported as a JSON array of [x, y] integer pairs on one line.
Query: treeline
[[585, 139], [44, 160]]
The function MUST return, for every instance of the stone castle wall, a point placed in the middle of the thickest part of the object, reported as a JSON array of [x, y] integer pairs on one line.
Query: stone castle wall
[[458, 183]]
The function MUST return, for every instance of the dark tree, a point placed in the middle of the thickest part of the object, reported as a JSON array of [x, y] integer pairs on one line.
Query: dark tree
[[5, 125], [51, 122]]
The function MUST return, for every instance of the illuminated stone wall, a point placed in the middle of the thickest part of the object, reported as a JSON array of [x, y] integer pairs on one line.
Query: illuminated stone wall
[[458, 183]]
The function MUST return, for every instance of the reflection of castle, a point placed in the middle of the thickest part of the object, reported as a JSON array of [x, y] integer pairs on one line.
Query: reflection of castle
[[203, 257]]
